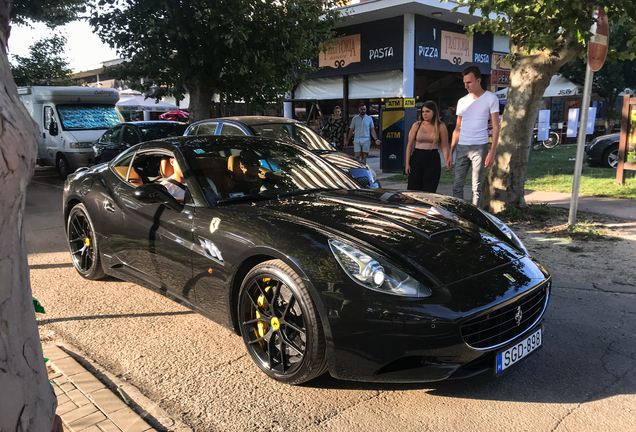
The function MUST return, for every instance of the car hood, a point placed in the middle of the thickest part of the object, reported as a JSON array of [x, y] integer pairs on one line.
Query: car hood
[[342, 160], [442, 238]]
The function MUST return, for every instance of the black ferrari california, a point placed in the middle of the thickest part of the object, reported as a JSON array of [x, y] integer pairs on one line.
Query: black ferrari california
[[314, 272]]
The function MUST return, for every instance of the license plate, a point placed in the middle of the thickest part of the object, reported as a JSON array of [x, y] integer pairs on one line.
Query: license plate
[[512, 355]]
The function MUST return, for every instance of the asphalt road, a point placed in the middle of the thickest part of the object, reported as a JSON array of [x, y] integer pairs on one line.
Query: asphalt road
[[583, 379]]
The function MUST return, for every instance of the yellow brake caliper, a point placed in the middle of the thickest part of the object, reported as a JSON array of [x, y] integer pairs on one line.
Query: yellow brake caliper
[[262, 302]]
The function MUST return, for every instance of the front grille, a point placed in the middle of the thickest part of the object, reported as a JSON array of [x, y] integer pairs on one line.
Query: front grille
[[500, 326], [363, 181]]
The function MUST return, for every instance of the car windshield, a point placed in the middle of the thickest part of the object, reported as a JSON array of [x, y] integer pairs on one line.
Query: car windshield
[[87, 117], [296, 133], [254, 171], [155, 131]]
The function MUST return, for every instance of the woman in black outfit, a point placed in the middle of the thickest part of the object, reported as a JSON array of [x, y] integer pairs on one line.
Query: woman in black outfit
[[426, 137], [335, 129]]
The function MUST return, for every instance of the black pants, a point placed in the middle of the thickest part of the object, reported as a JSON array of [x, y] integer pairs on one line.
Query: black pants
[[426, 167]]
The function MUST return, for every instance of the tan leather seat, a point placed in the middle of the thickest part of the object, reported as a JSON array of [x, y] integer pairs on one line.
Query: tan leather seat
[[234, 167], [133, 178]]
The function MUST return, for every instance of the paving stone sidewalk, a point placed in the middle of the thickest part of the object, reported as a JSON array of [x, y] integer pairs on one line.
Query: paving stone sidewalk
[[84, 402]]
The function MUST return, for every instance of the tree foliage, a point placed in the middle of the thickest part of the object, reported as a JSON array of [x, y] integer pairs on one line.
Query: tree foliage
[[249, 50], [618, 72], [45, 64], [544, 35], [51, 12]]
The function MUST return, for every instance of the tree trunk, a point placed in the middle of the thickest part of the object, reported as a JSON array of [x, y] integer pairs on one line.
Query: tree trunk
[[529, 77], [27, 400], [200, 102]]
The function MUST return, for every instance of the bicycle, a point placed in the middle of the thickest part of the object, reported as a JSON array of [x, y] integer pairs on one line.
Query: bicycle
[[554, 139]]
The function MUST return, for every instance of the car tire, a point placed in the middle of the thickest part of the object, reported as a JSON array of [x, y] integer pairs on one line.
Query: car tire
[[280, 324], [63, 167], [83, 244], [610, 157]]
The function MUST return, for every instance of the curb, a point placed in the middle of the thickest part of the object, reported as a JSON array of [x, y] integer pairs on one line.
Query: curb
[[88, 403]]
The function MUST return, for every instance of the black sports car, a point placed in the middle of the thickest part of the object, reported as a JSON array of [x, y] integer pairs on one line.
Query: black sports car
[[315, 272], [118, 138]]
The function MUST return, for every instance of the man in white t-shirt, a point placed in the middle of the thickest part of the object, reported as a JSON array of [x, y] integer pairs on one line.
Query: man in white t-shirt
[[362, 128], [470, 136]]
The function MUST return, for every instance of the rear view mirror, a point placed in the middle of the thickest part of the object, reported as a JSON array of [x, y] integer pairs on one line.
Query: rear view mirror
[[156, 193]]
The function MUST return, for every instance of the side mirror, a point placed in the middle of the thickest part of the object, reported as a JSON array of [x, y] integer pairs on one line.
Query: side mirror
[[53, 129], [156, 193]]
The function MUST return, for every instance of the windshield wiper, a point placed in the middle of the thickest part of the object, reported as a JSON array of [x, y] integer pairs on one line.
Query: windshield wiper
[[323, 151], [307, 191], [245, 198]]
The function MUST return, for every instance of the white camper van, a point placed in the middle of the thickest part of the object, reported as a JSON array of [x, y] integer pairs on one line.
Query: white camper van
[[70, 120]]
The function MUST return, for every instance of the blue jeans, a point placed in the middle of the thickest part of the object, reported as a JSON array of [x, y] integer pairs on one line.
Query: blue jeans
[[467, 155]]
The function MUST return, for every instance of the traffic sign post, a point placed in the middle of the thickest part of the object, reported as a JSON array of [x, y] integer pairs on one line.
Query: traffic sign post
[[596, 54]]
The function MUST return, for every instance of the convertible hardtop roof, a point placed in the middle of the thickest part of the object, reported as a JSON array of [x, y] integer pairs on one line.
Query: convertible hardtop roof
[[154, 122], [195, 141], [258, 120]]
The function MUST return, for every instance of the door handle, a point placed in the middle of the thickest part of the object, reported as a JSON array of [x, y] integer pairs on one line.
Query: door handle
[[108, 206]]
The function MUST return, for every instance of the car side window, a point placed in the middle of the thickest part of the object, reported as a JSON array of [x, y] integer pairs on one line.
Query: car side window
[[130, 136], [230, 129], [111, 135], [121, 167], [206, 129]]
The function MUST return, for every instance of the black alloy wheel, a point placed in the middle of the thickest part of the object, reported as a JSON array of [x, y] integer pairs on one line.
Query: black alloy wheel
[[610, 157], [83, 244], [63, 167], [280, 324]]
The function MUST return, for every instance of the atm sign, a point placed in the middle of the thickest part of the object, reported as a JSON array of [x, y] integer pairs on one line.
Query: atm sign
[[409, 103], [394, 103]]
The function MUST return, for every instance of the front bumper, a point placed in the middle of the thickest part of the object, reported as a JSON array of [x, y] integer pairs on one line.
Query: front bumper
[[421, 343]]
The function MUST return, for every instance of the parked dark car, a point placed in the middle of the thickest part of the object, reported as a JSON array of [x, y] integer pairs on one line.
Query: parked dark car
[[291, 131], [603, 150], [316, 273], [124, 135]]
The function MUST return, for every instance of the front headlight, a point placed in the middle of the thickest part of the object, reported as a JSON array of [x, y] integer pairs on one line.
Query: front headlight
[[506, 231], [375, 273], [80, 144]]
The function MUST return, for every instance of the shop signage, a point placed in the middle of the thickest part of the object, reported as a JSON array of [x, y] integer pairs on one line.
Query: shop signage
[[444, 46], [409, 103], [394, 103], [457, 48], [341, 52], [370, 47]]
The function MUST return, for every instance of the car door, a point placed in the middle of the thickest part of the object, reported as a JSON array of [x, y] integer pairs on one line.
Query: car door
[[154, 241]]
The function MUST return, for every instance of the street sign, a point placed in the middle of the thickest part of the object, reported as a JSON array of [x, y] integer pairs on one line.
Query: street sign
[[599, 42]]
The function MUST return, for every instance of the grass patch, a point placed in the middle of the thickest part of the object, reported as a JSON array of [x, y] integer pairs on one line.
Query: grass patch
[[553, 170]]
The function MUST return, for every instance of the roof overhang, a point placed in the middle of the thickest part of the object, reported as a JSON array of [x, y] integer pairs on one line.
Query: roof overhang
[[374, 10]]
